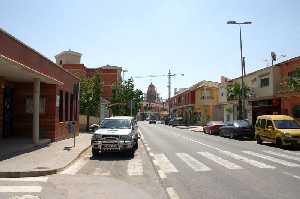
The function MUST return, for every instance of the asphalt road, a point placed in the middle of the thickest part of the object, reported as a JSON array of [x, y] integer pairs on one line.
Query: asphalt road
[[197, 165], [111, 176]]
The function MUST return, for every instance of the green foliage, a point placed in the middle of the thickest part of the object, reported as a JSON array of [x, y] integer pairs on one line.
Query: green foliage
[[234, 91], [123, 94], [294, 80], [90, 91]]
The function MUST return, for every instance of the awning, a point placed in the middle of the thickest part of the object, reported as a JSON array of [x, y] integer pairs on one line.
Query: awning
[[14, 71]]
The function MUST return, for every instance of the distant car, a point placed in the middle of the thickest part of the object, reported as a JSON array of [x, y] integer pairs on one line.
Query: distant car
[[116, 134], [167, 121], [177, 121], [237, 128], [152, 121], [213, 127]]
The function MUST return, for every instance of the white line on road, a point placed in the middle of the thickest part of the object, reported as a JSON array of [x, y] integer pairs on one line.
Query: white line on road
[[294, 176], [20, 189], [293, 152], [151, 154], [164, 163], [26, 179], [172, 193], [192, 162], [283, 155], [162, 174], [272, 159], [135, 167], [73, 169], [225, 163], [247, 160], [148, 148]]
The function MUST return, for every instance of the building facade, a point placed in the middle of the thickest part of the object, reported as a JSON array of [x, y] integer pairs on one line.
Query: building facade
[[38, 98]]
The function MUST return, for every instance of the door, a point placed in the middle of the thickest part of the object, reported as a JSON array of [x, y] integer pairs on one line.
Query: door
[[270, 132], [263, 127], [8, 112]]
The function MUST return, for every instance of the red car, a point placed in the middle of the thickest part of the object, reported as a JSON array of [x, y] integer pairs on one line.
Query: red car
[[213, 127]]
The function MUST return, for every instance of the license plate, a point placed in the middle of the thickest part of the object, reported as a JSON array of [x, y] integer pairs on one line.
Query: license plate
[[110, 146]]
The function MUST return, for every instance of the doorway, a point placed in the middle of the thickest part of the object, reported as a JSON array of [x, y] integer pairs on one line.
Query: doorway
[[8, 112]]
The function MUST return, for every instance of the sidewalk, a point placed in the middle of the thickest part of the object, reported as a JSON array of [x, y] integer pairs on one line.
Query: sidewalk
[[50, 159]]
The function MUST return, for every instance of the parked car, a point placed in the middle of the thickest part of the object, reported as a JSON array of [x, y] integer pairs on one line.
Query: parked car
[[279, 129], [167, 121], [93, 127], [152, 121], [237, 128], [116, 134], [213, 127], [177, 121]]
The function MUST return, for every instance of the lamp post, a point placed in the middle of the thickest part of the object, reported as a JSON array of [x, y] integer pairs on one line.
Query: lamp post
[[242, 63]]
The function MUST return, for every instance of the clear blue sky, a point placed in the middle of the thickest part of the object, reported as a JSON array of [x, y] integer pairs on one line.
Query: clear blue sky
[[149, 37]]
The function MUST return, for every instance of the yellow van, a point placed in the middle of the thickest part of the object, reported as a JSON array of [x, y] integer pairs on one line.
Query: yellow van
[[279, 129]]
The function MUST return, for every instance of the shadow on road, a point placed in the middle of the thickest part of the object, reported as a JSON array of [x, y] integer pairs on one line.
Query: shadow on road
[[112, 156]]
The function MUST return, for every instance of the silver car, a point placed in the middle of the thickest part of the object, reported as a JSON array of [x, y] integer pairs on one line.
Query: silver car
[[117, 134]]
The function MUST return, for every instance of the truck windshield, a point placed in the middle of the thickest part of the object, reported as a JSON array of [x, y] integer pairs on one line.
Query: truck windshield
[[115, 124], [286, 124]]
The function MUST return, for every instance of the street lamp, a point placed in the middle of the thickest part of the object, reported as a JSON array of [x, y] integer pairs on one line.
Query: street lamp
[[242, 61]]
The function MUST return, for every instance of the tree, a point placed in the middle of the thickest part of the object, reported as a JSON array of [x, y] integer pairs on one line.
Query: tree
[[294, 80], [126, 98], [234, 92], [90, 91]]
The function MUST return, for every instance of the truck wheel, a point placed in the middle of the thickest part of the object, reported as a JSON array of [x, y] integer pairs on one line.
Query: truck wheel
[[231, 135], [131, 153], [258, 140], [95, 152], [136, 146], [278, 142]]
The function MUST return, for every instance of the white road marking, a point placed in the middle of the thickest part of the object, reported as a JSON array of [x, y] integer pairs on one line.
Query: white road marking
[[247, 160], [135, 167], [162, 174], [148, 148], [164, 163], [221, 161], [20, 189], [172, 193], [151, 154], [283, 155], [192, 162], [26, 179], [292, 152], [272, 159], [100, 172], [73, 169], [289, 174]]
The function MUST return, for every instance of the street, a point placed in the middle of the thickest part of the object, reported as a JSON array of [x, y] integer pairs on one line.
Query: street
[[196, 165], [172, 163]]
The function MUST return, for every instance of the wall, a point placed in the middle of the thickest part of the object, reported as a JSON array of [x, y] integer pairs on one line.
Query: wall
[[1, 106], [83, 121], [22, 122], [68, 58]]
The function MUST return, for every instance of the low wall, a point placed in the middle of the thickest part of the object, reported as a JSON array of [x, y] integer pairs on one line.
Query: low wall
[[82, 122]]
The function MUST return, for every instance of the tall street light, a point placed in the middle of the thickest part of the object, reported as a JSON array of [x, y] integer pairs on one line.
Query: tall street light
[[242, 61]]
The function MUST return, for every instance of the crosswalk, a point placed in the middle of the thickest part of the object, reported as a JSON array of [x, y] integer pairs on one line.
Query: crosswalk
[[22, 185]]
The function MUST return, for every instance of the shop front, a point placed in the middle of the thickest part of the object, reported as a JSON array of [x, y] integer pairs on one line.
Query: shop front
[[265, 107]]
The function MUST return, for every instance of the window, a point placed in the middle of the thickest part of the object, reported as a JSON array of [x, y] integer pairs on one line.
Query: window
[[61, 97], [67, 106], [269, 123], [29, 105], [264, 82], [258, 123], [60, 62], [263, 123]]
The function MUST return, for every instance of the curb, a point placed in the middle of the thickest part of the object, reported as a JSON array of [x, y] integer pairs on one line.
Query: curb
[[41, 173]]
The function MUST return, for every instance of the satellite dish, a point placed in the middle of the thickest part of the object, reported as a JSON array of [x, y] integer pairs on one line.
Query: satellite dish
[[273, 55]]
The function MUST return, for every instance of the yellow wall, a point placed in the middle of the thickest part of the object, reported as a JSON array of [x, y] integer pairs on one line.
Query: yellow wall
[[206, 105]]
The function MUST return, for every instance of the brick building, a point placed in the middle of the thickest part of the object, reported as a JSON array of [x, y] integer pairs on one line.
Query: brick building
[[109, 75], [38, 98]]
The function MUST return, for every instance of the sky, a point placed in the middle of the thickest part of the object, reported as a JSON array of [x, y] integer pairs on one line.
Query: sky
[[149, 37]]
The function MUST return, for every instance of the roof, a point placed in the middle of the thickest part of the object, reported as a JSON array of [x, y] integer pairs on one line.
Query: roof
[[120, 117], [110, 67], [70, 52], [276, 117]]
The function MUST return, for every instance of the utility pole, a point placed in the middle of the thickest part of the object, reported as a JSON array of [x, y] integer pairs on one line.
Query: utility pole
[[169, 91]]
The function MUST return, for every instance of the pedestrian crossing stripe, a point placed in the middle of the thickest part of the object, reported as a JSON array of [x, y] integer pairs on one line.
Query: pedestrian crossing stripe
[[164, 163], [192, 162], [283, 155], [225, 163]]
